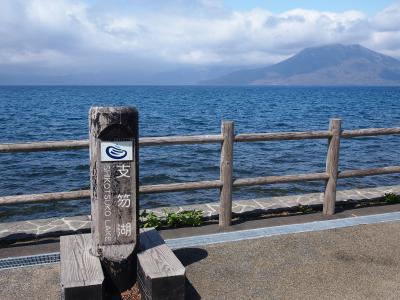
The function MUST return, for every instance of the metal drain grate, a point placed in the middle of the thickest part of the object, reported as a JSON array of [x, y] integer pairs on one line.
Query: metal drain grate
[[26, 261]]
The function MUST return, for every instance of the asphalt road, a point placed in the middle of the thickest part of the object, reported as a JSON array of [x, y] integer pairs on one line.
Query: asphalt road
[[361, 262]]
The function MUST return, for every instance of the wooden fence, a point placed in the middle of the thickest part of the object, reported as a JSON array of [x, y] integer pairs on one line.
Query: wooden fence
[[226, 182]]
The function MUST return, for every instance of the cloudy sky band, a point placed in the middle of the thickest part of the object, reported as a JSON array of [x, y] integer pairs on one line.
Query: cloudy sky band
[[61, 36]]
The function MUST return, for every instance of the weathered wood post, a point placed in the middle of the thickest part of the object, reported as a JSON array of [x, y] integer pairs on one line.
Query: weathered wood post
[[114, 192], [332, 166], [226, 174]]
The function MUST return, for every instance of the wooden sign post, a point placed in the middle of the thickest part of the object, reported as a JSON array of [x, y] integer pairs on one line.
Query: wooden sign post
[[114, 192]]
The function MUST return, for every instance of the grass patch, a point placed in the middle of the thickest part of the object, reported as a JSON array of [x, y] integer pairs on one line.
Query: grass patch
[[391, 198], [305, 209], [171, 219]]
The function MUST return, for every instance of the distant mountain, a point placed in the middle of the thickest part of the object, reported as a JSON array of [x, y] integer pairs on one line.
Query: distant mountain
[[181, 76], [325, 65], [190, 75]]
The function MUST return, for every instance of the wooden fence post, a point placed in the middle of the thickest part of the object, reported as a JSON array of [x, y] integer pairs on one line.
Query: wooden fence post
[[226, 174], [114, 192], [332, 166]]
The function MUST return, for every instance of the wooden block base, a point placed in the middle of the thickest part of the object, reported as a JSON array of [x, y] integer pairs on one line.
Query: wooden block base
[[160, 274], [81, 273]]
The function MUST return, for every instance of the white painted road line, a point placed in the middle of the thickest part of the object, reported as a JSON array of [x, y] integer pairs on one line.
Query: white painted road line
[[223, 237]]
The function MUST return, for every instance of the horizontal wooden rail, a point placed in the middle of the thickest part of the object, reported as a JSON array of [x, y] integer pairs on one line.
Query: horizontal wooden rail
[[369, 132], [187, 186], [369, 172], [83, 194], [45, 146], [279, 179], [46, 197], [82, 144], [163, 188], [279, 136], [180, 140], [179, 187], [199, 139], [198, 185]]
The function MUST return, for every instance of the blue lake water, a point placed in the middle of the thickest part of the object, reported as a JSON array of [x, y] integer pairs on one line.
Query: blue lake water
[[61, 113]]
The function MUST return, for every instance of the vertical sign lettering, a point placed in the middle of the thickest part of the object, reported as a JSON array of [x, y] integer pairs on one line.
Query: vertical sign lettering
[[114, 169], [118, 202]]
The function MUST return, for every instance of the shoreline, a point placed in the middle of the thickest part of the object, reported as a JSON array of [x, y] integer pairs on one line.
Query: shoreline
[[14, 232]]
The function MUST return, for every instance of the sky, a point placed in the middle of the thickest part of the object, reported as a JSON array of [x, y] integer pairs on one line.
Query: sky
[[61, 37], [368, 7]]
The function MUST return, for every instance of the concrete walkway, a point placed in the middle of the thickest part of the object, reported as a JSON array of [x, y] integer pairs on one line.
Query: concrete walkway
[[360, 262]]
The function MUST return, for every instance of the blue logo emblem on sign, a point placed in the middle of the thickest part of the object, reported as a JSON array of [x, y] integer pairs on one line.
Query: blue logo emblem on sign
[[115, 152]]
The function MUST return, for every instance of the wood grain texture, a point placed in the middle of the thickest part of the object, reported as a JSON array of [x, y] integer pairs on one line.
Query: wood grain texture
[[332, 167], [81, 273], [84, 194], [369, 172], [280, 136], [279, 179], [107, 184], [173, 140], [179, 140], [160, 274], [84, 144], [226, 174], [46, 197], [199, 139], [119, 266], [163, 188], [114, 195], [45, 146], [369, 132], [178, 187]]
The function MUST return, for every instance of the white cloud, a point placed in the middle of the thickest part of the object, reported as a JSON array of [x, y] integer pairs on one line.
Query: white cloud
[[73, 34], [388, 19], [55, 15], [48, 58]]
